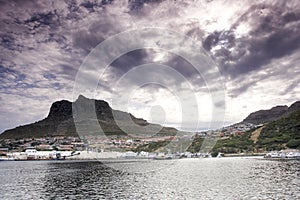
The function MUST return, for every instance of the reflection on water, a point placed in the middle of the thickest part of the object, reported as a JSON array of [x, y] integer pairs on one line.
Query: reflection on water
[[81, 180], [225, 178]]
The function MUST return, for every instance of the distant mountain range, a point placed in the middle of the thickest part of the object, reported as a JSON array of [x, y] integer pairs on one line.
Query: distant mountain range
[[281, 133], [264, 116], [84, 111], [279, 129], [279, 126]]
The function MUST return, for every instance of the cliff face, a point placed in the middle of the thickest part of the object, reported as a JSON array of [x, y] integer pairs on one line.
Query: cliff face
[[264, 116], [294, 107], [60, 121], [60, 110]]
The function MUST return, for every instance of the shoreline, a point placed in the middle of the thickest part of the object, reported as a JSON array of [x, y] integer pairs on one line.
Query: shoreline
[[121, 156]]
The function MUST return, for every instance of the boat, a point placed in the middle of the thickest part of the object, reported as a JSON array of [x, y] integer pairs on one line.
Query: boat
[[290, 155], [293, 155], [31, 153], [207, 155], [162, 158], [297, 155], [273, 154], [283, 154], [6, 158], [219, 155]]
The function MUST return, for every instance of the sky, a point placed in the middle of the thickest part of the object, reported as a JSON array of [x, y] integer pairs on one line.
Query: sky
[[252, 47]]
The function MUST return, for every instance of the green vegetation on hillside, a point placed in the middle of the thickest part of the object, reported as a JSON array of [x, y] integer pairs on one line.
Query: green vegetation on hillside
[[235, 144], [281, 133], [196, 145], [151, 147], [232, 144]]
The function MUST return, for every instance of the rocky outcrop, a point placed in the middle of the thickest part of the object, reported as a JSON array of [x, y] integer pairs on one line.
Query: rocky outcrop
[[275, 113], [88, 115], [294, 107], [264, 116]]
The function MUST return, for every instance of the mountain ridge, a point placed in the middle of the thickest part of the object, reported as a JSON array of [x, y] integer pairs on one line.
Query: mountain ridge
[[66, 118], [276, 112], [276, 133]]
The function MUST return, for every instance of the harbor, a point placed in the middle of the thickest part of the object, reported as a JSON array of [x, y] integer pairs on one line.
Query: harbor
[[32, 154], [284, 154]]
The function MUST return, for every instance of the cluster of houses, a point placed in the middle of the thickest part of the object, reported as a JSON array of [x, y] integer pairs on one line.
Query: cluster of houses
[[91, 147], [235, 129], [90, 143], [61, 143], [123, 143], [115, 146], [44, 144], [32, 154]]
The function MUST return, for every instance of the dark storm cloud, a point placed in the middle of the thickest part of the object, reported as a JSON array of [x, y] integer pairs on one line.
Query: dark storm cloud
[[8, 42], [96, 33], [50, 19], [241, 88], [182, 66], [88, 5], [4, 70], [274, 34], [131, 59], [24, 24], [140, 57], [10, 75], [137, 5], [224, 38], [48, 75], [43, 44], [91, 6], [36, 28], [290, 88]]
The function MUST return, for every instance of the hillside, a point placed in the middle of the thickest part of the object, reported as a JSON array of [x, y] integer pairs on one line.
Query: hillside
[[284, 132], [265, 116], [281, 127], [281, 130], [60, 121]]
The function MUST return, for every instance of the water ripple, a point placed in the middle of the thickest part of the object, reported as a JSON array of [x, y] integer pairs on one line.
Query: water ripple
[[225, 178]]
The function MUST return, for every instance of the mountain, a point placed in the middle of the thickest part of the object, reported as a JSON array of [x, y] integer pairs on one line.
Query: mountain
[[294, 107], [280, 130], [265, 116], [86, 116], [281, 133]]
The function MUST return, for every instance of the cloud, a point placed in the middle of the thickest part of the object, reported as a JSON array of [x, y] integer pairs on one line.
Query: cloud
[[271, 31], [130, 60], [255, 44]]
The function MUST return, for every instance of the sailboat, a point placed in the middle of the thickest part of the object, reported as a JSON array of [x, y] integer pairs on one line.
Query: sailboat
[[219, 155], [4, 155], [5, 158]]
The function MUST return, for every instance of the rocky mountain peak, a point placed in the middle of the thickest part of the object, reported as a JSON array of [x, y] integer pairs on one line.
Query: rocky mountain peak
[[60, 110], [265, 116], [84, 111], [295, 106]]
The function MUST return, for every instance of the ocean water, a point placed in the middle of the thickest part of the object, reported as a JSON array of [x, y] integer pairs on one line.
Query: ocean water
[[215, 178]]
